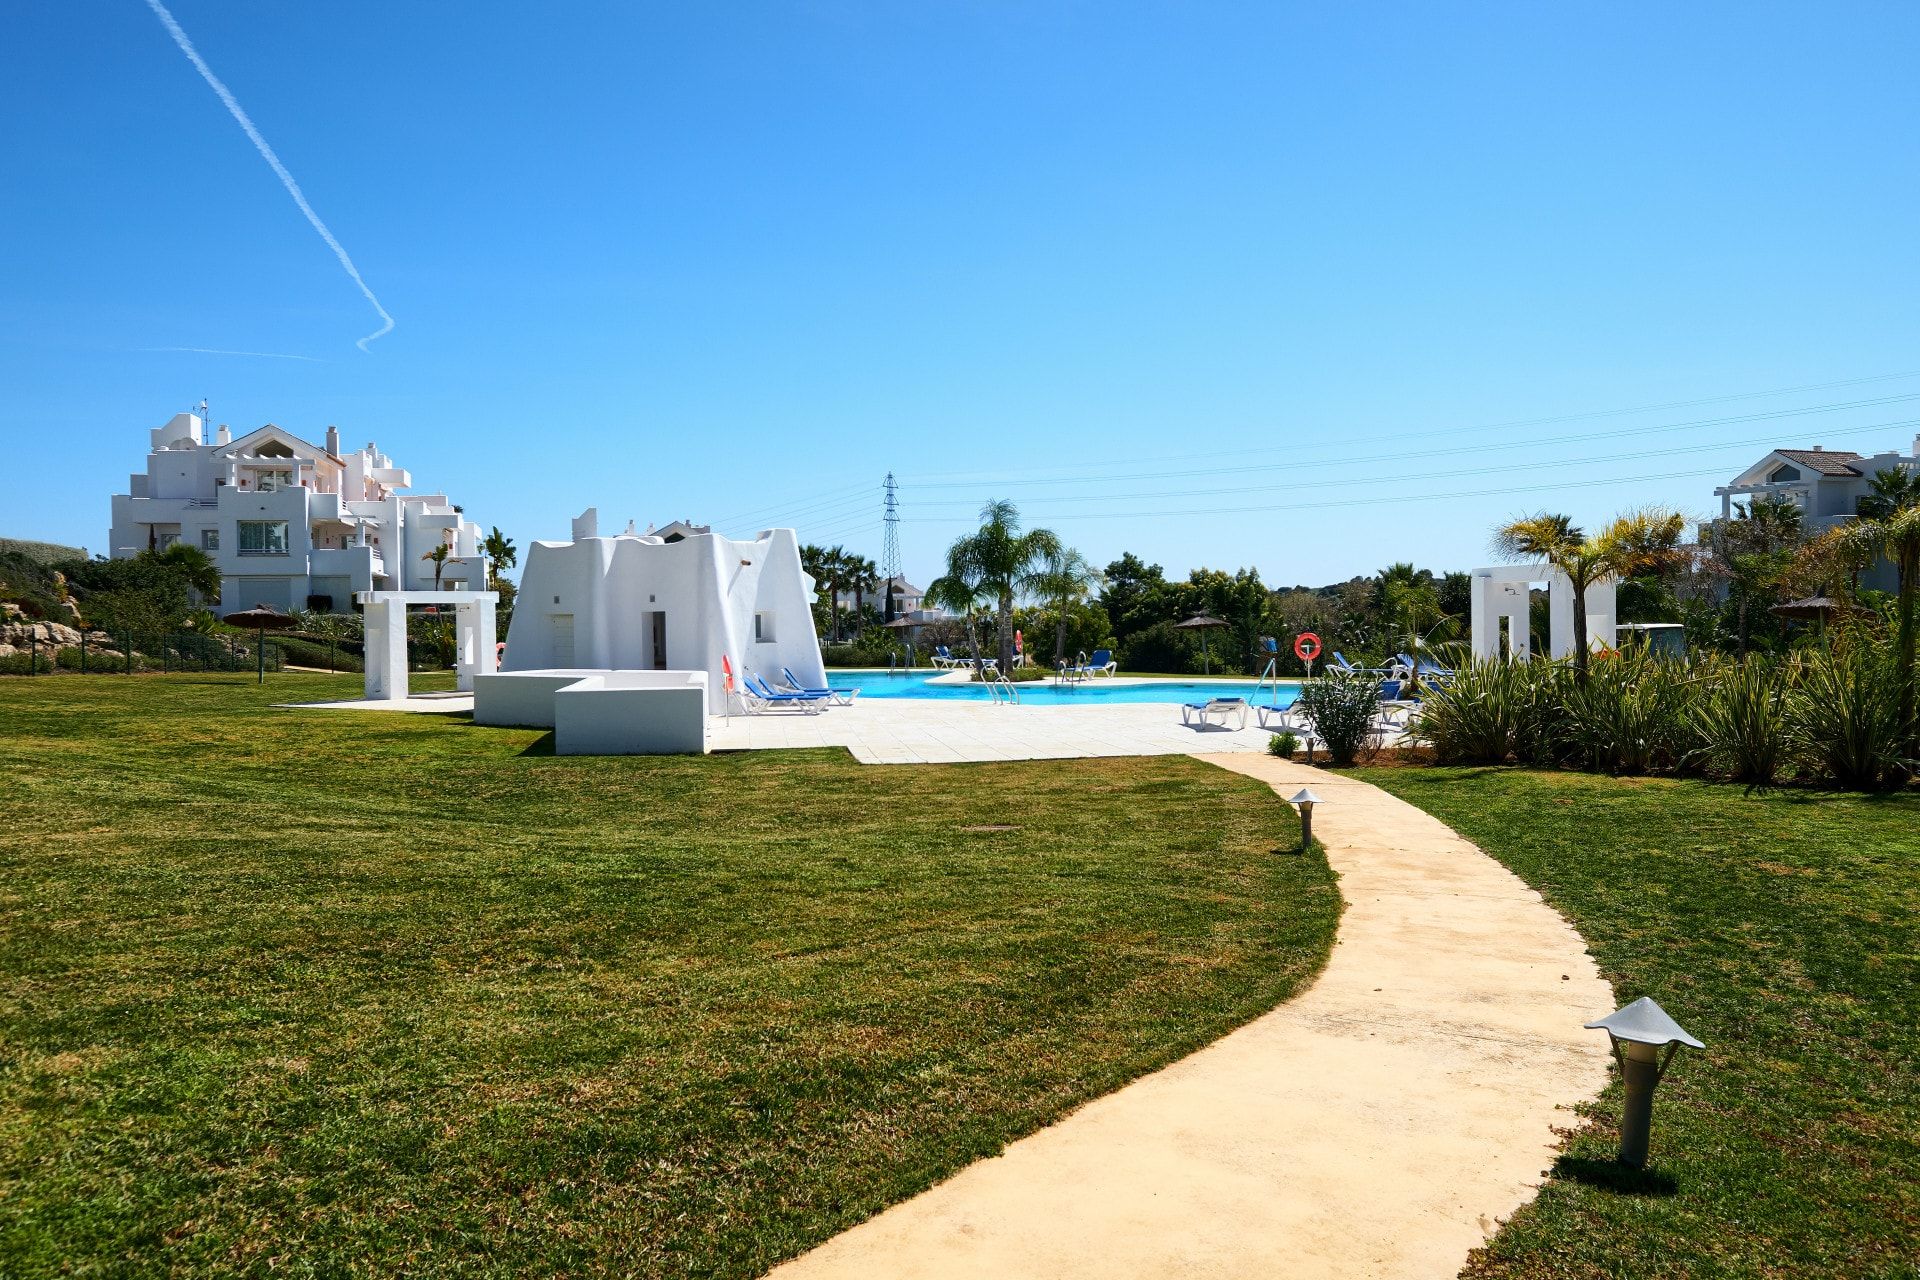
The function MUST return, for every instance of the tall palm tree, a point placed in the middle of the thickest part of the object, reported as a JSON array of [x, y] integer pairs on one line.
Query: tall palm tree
[[501, 552], [1889, 525], [1643, 541], [1066, 579], [1008, 563], [863, 575], [961, 589]]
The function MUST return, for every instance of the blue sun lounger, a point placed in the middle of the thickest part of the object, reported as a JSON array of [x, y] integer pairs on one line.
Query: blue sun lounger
[[840, 697]]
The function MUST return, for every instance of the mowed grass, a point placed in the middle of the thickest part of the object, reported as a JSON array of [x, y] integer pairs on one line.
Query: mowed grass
[[326, 993], [1781, 929]]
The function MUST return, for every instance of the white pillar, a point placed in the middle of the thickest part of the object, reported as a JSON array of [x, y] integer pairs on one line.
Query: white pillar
[[1484, 626], [386, 650], [475, 653], [1560, 614]]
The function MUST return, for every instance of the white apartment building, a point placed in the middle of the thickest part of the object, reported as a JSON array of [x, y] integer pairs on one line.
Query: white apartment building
[[292, 524], [1826, 484]]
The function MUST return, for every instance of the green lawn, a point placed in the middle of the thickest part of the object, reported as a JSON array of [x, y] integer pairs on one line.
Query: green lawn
[[322, 993], [1779, 928]]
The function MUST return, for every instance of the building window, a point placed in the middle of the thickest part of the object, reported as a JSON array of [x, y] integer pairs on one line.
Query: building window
[[209, 539], [263, 537], [1783, 474], [763, 628]]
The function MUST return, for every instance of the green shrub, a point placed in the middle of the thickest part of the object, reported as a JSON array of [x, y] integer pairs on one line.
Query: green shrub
[[863, 655], [1844, 718], [1632, 715], [1341, 710], [1479, 715], [1283, 744], [1741, 718]]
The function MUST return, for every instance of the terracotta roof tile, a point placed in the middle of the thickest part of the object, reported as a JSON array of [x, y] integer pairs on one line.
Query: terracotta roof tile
[[1827, 462]]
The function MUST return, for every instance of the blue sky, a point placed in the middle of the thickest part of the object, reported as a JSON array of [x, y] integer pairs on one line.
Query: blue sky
[[1219, 284]]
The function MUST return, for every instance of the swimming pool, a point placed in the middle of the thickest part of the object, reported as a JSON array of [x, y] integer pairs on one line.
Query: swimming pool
[[1045, 693]]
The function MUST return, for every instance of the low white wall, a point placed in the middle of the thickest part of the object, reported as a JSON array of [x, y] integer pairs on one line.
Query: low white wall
[[521, 698], [632, 713]]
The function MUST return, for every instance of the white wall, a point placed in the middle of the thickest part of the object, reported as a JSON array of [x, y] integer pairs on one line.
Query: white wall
[[708, 587]]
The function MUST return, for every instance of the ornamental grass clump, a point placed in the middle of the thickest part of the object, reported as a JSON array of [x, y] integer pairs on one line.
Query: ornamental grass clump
[[1741, 718], [1477, 716], [1632, 715], [1844, 717], [1341, 711]]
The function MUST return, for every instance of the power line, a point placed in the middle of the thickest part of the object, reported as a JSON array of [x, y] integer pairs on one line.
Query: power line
[[1515, 424], [1431, 475], [1298, 464], [1350, 502]]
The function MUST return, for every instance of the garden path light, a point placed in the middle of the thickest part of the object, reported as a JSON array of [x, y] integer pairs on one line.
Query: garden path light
[[1643, 1028]]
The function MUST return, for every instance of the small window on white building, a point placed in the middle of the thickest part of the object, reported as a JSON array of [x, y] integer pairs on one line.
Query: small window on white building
[[763, 628], [263, 537], [209, 539]]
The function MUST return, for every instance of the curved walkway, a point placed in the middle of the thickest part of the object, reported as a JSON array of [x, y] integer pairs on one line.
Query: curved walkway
[[1380, 1123]]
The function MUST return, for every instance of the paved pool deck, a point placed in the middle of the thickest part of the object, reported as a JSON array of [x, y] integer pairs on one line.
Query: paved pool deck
[[937, 731], [1379, 1124]]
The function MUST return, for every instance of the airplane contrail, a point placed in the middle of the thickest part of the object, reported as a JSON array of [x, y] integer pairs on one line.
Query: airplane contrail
[[266, 153], [222, 351]]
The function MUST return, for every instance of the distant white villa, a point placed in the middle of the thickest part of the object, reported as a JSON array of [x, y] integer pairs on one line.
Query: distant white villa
[[1826, 484], [290, 523], [638, 602]]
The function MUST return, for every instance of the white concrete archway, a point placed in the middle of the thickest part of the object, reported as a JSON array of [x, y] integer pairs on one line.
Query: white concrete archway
[[1505, 593], [386, 637]]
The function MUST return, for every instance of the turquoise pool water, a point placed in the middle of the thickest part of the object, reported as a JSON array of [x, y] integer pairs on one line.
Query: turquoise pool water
[[914, 684]]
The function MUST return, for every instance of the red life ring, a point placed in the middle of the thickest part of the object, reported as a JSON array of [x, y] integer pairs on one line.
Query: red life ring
[[1306, 646]]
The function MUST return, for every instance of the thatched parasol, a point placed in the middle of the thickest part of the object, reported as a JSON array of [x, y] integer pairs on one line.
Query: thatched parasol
[[262, 618], [1203, 623], [1818, 609]]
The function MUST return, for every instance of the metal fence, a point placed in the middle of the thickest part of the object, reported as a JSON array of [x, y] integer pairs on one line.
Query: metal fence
[[133, 652]]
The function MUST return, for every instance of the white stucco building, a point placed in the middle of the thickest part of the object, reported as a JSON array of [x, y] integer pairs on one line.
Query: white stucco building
[[635, 602], [1826, 484], [290, 523]]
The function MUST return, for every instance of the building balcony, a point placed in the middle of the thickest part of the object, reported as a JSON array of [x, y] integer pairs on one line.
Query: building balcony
[[361, 564]]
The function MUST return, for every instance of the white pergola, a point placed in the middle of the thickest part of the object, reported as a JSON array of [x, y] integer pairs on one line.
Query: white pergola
[[1504, 593], [386, 637]]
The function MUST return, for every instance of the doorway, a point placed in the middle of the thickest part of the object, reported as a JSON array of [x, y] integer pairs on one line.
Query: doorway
[[563, 641], [657, 640]]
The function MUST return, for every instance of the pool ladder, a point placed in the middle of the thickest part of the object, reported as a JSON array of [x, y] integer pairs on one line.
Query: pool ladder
[[998, 686]]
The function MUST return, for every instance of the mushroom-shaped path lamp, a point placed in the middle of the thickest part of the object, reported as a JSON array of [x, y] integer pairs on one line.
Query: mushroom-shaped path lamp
[[1304, 802], [1638, 1033]]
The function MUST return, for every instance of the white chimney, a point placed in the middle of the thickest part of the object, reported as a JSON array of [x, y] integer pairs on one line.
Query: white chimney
[[1819, 448], [333, 441], [224, 436]]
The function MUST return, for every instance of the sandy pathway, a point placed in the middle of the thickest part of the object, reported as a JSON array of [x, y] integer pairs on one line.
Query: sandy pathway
[[1379, 1124]]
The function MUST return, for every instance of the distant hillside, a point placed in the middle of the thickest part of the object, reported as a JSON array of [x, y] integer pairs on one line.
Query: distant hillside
[[42, 552], [28, 581]]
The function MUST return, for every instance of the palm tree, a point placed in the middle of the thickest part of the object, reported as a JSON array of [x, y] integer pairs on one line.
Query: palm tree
[[961, 589], [1756, 548], [1066, 579], [1641, 541], [195, 567], [1410, 599], [863, 575], [439, 558], [500, 551], [1889, 525], [1007, 562]]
